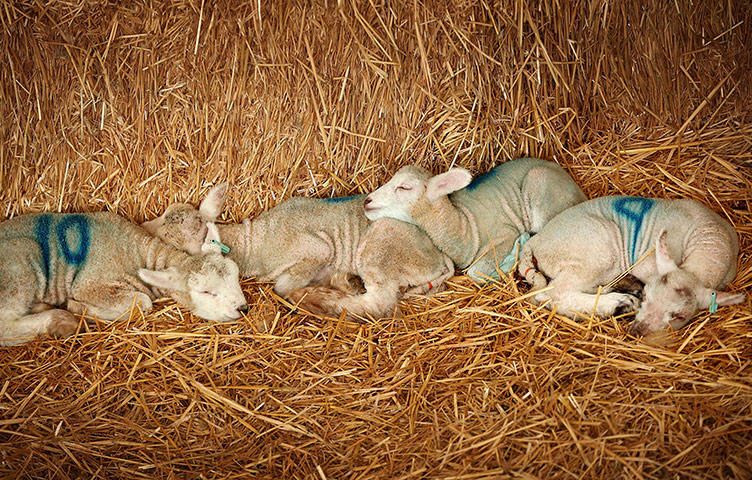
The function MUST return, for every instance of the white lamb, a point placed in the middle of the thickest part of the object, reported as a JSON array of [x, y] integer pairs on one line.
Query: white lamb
[[478, 224], [104, 265], [592, 243], [314, 249]]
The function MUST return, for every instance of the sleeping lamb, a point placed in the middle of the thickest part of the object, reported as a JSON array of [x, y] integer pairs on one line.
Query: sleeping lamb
[[592, 243], [312, 249], [478, 224], [103, 265]]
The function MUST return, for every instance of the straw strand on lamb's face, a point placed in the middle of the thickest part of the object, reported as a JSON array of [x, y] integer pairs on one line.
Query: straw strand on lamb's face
[[593, 243]]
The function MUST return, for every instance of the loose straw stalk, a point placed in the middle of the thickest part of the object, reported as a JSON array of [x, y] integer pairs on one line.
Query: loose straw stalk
[[134, 106]]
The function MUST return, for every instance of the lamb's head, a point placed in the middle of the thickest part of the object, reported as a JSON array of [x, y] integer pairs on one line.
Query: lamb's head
[[412, 186], [674, 296], [207, 284], [183, 226]]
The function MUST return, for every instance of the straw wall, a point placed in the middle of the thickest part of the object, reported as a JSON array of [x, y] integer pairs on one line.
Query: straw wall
[[128, 106]]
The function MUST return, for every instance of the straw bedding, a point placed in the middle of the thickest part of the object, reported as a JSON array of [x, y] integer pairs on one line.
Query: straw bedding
[[128, 106]]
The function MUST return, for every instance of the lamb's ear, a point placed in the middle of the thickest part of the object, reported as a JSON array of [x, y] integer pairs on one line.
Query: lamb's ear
[[663, 260], [448, 182], [211, 206], [725, 298], [152, 226], [721, 298], [212, 243], [169, 279]]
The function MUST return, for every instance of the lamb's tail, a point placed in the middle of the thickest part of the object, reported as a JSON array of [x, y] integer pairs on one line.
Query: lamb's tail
[[528, 268], [321, 300]]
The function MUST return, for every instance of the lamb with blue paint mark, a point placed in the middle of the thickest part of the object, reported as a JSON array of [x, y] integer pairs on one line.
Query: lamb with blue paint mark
[[322, 254], [55, 266], [593, 243], [478, 223]]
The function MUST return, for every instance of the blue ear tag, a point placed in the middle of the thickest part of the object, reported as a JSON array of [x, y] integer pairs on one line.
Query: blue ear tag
[[225, 249], [713, 304]]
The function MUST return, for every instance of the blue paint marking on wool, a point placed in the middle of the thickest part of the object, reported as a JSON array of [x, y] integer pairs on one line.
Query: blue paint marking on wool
[[80, 223], [633, 209], [342, 199], [478, 181], [42, 232]]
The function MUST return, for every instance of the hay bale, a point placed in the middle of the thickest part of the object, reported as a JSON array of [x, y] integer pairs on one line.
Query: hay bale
[[128, 107]]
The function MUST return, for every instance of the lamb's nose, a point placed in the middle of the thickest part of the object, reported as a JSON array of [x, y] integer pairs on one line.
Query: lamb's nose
[[244, 309], [368, 200]]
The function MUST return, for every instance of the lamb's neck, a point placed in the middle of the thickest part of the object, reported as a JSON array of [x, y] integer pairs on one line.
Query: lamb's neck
[[451, 227], [156, 254], [238, 237]]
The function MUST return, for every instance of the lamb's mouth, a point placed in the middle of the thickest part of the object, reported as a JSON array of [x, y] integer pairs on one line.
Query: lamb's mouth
[[371, 211]]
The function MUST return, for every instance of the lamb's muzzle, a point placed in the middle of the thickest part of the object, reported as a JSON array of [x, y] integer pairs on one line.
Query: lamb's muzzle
[[56, 266], [310, 248], [592, 243]]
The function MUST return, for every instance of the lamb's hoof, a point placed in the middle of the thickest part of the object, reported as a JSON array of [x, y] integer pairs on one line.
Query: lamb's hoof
[[356, 283], [62, 324], [630, 285], [627, 304]]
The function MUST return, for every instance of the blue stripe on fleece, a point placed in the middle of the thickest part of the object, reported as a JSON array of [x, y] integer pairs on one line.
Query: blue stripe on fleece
[[478, 181], [342, 199], [633, 209], [76, 222], [42, 233]]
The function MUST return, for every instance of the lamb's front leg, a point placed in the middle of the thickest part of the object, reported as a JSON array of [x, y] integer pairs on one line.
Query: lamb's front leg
[[429, 278], [299, 275], [398, 255], [107, 301], [53, 321], [378, 301], [572, 297], [603, 305]]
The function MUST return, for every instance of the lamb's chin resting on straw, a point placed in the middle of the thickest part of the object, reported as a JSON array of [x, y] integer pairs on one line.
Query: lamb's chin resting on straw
[[313, 250], [102, 265], [574, 254]]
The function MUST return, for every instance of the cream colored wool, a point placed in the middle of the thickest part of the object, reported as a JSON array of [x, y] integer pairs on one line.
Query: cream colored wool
[[309, 247], [102, 265], [477, 223], [593, 243]]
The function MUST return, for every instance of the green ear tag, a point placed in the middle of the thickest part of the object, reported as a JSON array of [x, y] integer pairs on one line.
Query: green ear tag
[[225, 249], [713, 304]]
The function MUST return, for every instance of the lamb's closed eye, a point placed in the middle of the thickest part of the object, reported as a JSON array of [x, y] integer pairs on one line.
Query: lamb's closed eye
[[477, 222], [106, 255], [315, 243]]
